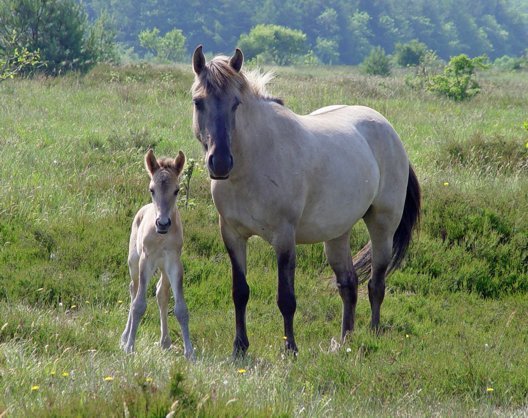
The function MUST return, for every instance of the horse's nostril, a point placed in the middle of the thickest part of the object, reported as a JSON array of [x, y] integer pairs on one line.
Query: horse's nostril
[[163, 225]]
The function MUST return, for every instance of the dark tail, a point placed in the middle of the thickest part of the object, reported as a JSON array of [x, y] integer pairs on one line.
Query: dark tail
[[402, 237]]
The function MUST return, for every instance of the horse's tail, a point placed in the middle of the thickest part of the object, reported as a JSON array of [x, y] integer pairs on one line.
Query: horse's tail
[[402, 236]]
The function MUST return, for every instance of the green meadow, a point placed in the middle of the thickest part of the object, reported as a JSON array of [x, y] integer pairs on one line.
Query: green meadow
[[454, 322]]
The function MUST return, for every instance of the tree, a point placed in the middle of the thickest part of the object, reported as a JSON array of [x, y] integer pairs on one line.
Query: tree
[[169, 47], [377, 63], [57, 29], [274, 44], [409, 54]]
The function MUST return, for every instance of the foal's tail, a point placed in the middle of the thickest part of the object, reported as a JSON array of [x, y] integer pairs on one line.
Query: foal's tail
[[402, 236]]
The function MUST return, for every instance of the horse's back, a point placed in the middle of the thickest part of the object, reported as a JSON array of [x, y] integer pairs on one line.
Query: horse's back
[[362, 159]]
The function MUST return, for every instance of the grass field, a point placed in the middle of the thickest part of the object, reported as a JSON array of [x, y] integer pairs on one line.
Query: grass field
[[454, 323]]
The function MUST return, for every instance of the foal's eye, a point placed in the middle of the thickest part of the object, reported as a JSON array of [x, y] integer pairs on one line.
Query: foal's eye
[[151, 191]]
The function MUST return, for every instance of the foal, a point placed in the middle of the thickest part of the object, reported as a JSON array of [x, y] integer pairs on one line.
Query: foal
[[156, 242]]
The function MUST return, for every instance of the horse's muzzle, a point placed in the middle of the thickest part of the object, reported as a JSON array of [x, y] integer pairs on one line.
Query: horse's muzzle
[[219, 166], [163, 228]]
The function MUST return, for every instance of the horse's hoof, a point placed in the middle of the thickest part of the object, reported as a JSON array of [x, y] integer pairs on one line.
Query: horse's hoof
[[240, 346], [291, 348], [190, 355], [165, 343]]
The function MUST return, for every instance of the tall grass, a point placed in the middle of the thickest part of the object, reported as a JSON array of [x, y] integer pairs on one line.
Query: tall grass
[[454, 320]]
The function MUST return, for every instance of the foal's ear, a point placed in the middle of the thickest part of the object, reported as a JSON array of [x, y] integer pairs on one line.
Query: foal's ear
[[151, 164], [198, 60], [237, 60], [179, 162]]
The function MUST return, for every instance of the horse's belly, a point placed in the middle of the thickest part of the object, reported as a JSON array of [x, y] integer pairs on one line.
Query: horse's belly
[[325, 225]]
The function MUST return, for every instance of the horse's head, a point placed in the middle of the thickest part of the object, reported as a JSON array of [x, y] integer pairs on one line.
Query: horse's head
[[164, 186], [216, 95]]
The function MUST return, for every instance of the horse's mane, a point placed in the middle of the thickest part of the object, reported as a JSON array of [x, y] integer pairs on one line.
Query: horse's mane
[[219, 77]]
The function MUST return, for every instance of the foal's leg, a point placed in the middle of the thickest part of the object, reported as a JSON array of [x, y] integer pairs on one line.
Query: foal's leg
[[175, 274], [338, 255], [381, 230], [285, 251], [139, 304], [236, 248], [162, 296], [133, 268]]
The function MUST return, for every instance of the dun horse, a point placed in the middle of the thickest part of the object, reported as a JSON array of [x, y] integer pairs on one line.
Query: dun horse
[[295, 179], [155, 243]]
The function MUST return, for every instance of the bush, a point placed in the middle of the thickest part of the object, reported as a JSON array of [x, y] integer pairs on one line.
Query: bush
[[377, 63], [457, 80], [409, 54], [507, 63]]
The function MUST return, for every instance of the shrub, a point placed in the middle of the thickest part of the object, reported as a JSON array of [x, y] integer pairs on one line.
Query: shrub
[[377, 63], [409, 54], [457, 81]]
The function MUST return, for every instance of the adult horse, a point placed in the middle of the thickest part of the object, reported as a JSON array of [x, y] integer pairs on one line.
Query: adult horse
[[294, 179]]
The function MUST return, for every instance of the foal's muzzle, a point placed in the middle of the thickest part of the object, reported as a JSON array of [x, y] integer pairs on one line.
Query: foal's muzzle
[[219, 166], [162, 228]]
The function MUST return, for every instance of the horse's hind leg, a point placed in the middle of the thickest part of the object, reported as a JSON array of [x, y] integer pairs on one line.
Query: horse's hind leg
[[338, 255], [162, 296], [381, 229]]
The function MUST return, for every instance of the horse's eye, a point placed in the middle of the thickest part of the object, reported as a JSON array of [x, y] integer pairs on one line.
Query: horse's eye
[[199, 104], [176, 192], [151, 191], [235, 106]]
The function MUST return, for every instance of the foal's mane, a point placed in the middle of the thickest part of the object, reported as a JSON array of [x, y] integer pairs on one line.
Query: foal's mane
[[219, 78]]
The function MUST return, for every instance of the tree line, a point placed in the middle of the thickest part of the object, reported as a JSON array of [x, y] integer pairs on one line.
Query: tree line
[[336, 31], [55, 36]]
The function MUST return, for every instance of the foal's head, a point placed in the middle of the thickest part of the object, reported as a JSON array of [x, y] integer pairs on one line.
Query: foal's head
[[217, 92], [164, 186]]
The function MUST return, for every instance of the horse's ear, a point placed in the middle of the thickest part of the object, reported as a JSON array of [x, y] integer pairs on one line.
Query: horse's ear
[[237, 60], [151, 164], [198, 60], [179, 162]]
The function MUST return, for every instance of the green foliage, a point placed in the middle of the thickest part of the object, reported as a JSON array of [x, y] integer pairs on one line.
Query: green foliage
[[19, 61], [457, 82], [327, 50], [167, 48], [507, 63], [377, 63], [57, 29], [274, 44], [409, 54]]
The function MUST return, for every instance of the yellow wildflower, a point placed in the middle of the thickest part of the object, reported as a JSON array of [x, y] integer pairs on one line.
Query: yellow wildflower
[[34, 388], [148, 380], [489, 390], [65, 374], [446, 183], [242, 371], [108, 378]]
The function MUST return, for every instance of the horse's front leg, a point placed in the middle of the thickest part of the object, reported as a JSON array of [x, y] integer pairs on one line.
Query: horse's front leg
[[139, 304], [285, 251], [236, 248]]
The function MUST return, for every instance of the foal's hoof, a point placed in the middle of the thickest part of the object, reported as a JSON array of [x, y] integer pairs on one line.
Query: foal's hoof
[[165, 343]]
